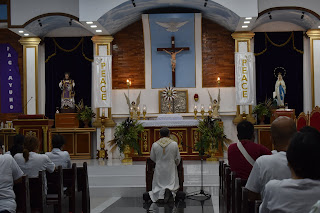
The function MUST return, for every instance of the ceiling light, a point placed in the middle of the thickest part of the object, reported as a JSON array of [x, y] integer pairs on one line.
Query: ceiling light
[[246, 22], [89, 22], [99, 31], [20, 31], [248, 18], [318, 26], [245, 26], [26, 34], [270, 17], [93, 26]]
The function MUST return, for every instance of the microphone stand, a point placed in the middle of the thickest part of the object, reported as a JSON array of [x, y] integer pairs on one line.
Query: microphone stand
[[204, 196]]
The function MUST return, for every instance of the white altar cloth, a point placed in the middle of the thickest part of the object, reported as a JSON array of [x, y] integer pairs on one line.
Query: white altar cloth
[[169, 123]]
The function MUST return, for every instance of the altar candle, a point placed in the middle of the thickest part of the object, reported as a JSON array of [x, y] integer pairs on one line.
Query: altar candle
[[218, 80], [144, 108]]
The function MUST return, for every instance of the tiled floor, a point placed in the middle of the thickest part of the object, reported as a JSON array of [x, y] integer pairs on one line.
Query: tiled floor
[[118, 188]]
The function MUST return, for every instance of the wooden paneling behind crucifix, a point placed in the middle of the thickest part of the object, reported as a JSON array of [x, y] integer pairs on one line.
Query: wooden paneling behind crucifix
[[173, 51]]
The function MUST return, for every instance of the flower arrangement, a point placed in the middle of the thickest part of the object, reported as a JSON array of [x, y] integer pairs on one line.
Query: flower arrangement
[[127, 134], [211, 135], [169, 93], [263, 110], [85, 113]]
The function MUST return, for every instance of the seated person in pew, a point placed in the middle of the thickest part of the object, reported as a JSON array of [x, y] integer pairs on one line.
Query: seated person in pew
[[58, 157], [299, 193], [165, 153], [9, 173], [30, 161], [17, 147], [275, 166], [241, 155]]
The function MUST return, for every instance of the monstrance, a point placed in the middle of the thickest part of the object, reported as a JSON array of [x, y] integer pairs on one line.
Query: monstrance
[[169, 94]]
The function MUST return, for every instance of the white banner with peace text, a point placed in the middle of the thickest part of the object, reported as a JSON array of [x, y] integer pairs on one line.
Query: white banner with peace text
[[102, 80], [244, 62]]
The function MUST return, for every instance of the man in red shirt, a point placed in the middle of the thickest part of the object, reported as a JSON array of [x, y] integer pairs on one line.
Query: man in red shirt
[[238, 163]]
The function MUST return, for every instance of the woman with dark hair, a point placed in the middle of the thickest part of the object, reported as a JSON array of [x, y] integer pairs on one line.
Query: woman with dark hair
[[17, 147], [299, 193], [30, 161], [58, 157]]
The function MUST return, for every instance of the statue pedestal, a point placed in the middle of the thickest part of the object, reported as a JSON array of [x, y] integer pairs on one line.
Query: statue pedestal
[[66, 120], [282, 112]]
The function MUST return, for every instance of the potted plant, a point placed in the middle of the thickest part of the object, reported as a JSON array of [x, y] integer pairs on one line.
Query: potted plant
[[85, 113], [126, 137], [263, 110], [211, 137]]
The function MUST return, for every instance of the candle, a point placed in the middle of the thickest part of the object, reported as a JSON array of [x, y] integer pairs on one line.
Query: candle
[[128, 82], [144, 108], [218, 80]]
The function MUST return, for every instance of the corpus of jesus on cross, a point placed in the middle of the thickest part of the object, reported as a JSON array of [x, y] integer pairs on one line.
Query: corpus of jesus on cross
[[173, 51]]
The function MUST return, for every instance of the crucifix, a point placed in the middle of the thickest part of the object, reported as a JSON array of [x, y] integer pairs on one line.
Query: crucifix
[[173, 51]]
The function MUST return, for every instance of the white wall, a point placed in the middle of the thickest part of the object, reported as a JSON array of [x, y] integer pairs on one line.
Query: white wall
[[22, 10]]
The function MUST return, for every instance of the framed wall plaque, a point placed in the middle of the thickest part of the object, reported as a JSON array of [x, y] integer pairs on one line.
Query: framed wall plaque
[[179, 105]]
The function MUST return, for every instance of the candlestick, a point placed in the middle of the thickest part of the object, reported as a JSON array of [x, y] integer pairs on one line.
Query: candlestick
[[202, 111], [218, 81], [144, 111], [195, 111], [131, 112], [210, 110], [138, 112]]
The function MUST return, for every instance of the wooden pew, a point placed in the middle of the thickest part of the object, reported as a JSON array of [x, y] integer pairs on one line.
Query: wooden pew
[[56, 195], [222, 207], [233, 190], [38, 201], [227, 189], [22, 193], [257, 206], [239, 183], [221, 169], [70, 181], [83, 187], [247, 206]]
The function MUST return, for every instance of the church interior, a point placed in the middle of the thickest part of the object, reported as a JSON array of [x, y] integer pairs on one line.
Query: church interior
[[109, 75]]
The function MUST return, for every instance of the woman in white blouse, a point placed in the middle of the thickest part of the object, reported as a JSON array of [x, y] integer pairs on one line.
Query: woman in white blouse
[[299, 193], [30, 161]]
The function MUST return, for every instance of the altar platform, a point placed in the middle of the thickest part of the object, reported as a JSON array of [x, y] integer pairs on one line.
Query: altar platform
[[112, 182]]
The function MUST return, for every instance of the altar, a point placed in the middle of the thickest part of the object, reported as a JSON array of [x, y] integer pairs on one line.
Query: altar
[[183, 131]]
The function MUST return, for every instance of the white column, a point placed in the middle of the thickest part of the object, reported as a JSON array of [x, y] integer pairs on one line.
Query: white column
[[307, 96], [315, 65], [42, 80], [30, 74], [198, 48]]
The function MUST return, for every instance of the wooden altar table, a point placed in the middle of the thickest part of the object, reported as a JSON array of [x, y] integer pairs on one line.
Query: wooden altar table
[[184, 132]]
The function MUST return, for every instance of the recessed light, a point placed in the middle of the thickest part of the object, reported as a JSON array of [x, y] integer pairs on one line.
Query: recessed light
[[246, 22], [318, 26], [98, 31], [20, 31], [248, 18], [89, 22], [93, 26], [26, 34], [245, 26]]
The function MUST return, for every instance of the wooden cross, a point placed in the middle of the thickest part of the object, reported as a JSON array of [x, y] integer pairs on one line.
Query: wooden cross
[[173, 51]]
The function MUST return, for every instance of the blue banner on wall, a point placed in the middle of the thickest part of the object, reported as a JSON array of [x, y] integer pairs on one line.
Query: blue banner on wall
[[162, 28], [10, 80]]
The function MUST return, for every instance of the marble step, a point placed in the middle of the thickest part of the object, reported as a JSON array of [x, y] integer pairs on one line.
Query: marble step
[[139, 180]]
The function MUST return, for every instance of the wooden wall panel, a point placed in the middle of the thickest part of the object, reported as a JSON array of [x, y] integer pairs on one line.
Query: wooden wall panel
[[217, 55], [7, 36], [128, 57]]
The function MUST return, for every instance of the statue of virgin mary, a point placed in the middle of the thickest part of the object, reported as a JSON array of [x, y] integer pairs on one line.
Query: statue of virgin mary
[[280, 89]]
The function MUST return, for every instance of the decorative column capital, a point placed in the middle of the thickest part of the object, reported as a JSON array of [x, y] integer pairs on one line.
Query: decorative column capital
[[102, 39], [314, 34], [245, 35], [30, 41]]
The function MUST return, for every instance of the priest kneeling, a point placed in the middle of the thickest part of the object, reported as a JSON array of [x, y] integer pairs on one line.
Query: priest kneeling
[[165, 153]]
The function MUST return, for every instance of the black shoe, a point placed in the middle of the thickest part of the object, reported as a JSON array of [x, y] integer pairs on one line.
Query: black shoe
[[146, 197], [167, 195]]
